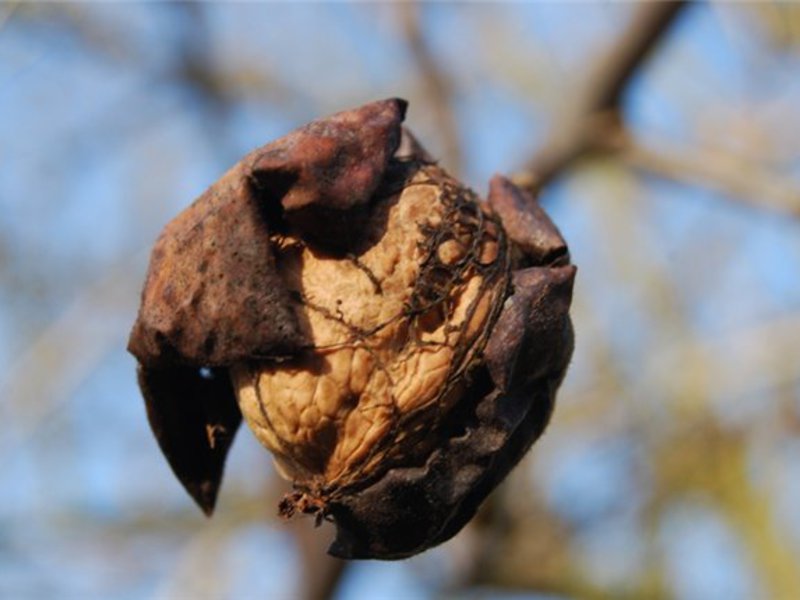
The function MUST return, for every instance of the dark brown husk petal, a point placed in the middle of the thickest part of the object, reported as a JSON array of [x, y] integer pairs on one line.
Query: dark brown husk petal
[[214, 298]]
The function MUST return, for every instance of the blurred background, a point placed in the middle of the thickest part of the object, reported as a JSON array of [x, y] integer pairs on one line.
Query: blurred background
[[666, 143]]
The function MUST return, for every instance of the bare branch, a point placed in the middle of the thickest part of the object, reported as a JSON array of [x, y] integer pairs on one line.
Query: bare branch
[[6, 12], [740, 179], [47, 373], [608, 79], [435, 82], [321, 572], [584, 125]]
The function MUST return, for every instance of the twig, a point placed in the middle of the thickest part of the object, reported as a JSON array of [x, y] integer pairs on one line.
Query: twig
[[593, 124], [321, 572], [46, 374], [6, 12], [739, 179], [435, 81], [584, 126]]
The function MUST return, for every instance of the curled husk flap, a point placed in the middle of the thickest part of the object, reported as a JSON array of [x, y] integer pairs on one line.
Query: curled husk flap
[[395, 342]]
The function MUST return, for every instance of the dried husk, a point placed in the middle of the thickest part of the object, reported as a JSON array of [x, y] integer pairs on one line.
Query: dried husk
[[395, 342], [396, 325]]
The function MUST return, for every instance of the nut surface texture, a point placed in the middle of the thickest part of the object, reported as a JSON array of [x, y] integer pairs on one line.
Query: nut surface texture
[[394, 341]]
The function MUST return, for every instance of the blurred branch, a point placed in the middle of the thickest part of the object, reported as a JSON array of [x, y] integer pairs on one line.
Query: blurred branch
[[321, 572], [199, 567], [593, 124], [196, 571], [520, 543], [191, 66], [435, 82], [6, 12], [104, 38], [49, 371], [742, 364], [707, 458], [583, 126], [740, 179]]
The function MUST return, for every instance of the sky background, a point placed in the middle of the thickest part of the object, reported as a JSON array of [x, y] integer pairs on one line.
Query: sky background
[[114, 117]]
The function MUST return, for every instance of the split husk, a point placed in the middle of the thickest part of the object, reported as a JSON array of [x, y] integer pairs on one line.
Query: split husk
[[394, 341]]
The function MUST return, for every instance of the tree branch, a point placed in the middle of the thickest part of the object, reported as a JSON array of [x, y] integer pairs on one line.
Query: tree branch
[[738, 178], [321, 572], [593, 124], [435, 81], [584, 126]]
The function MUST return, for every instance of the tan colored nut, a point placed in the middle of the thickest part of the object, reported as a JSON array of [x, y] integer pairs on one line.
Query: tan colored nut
[[386, 342], [395, 342]]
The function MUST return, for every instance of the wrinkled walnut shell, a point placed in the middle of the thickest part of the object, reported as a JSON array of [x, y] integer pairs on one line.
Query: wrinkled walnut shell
[[395, 342]]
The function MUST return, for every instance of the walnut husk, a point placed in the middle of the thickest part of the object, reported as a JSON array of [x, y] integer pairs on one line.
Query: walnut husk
[[395, 325], [393, 340]]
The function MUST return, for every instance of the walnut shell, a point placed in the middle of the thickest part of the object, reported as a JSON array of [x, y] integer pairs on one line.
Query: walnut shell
[[395, 342], [394, 325]]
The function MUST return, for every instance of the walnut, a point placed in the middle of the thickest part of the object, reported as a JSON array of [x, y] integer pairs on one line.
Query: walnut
[[395, 342]]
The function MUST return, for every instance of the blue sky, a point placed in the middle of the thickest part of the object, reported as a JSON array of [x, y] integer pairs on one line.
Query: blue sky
[[101, 145]]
